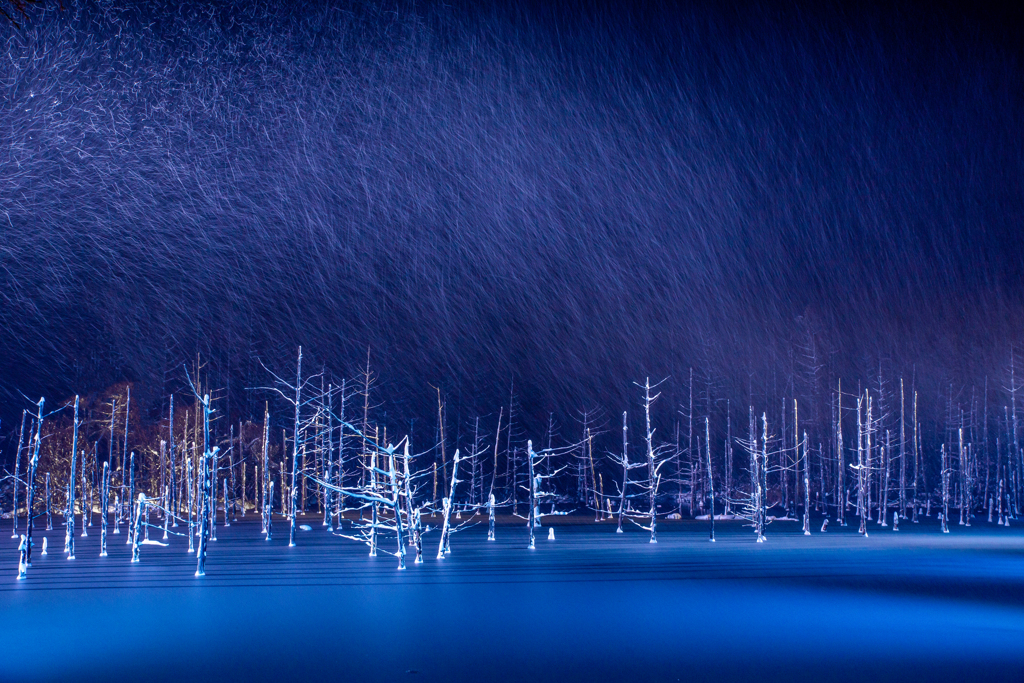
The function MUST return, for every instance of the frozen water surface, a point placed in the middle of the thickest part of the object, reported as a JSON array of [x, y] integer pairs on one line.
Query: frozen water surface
[[914, 605]]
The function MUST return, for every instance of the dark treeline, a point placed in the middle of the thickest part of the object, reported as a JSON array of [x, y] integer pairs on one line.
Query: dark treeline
[[806, 446]]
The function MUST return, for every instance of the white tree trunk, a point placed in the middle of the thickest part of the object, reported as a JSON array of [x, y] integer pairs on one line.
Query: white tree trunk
[[625, 471], [490, 517], [30, 483], [295, 449], [104, 502], [70, 541], [807, 489], [137, 527], [443, 547], [711, 478]]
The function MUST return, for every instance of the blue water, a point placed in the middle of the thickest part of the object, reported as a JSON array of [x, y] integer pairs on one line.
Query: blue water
[[589, 606]]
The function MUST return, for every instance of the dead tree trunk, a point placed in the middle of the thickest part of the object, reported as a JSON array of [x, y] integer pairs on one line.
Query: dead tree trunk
[[625, 471], [861, 495], [49, 517], [448, 503], [884, 497], [295, 450], [711, 479], [532, 512], [137, 527], [69, 543], [903, 455], [807, 488], [104, 502], [653, 476], [396, 505], [945, 490], [205, 493], [30, 483]]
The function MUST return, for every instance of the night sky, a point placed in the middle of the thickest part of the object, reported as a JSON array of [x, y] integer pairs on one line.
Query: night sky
[[560, 201]]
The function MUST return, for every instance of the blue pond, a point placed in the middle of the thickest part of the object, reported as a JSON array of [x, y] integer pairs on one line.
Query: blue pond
[[591, 605]]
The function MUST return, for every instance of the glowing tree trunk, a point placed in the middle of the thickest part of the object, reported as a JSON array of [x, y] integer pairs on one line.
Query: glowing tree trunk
[[23, 558], [340, 499], [374, 507], [755, 477], [883, 503], [861, 496], [789, 504], [110, 457], [728, 459], [85, 504], [396, 505], [903, 454], [807, 488], [137, 526], [329, 474], [294, 504], [532, 512], [167, 510], [490, 517], [598, 511], [868, 432], [190, 501], [295, 450], [443, 547], [172, 501], [414, 519], [329, 466], [917, 462], [841, 461], [204, 515], [762, 484], [267, 499], [214, 466], [418, 535], [1001, 520], [69, 542], [625, 471], [49, 517], [145, 525], [689, 452], [241, 459], [104, 501], [206, 493], [127, 502], [131, 493], [228, 503], [654, 478], [243, 486], [270, 517], [494, 469], [965, 483], [711, 479], [945, 490], [30, 483]]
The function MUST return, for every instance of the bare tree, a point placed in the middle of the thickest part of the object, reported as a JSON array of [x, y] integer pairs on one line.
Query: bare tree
[[104, 512], [711, 479], [30, 482], [69, 541]]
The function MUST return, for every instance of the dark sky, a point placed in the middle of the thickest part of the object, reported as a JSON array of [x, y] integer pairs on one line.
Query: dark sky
[[570, 200]]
